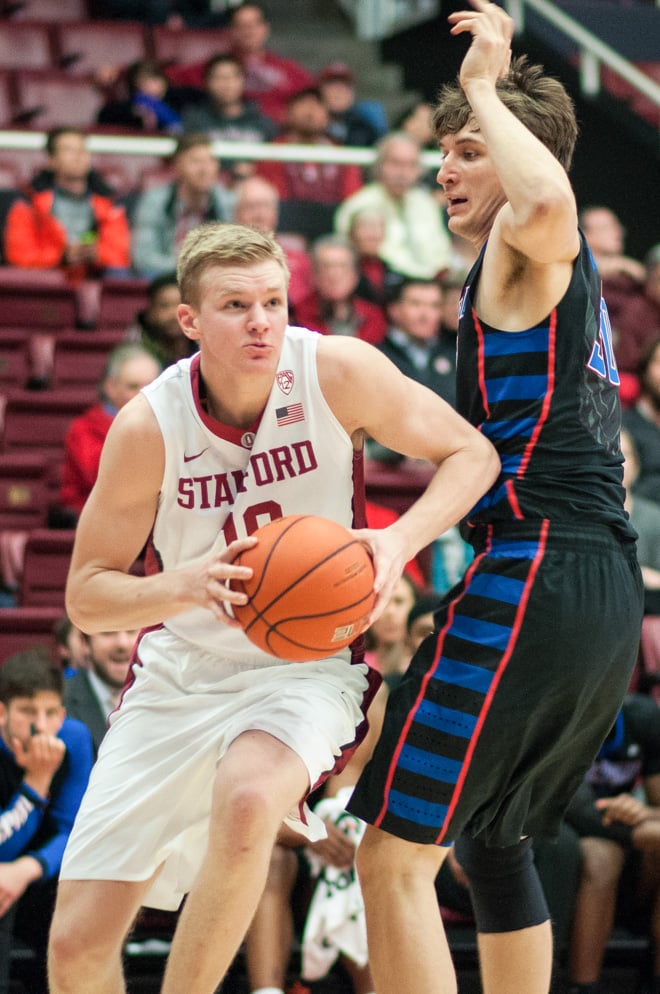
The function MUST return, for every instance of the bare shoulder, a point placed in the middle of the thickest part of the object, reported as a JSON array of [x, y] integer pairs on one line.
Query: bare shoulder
[[517, 290], [348, 370], [134, 441]]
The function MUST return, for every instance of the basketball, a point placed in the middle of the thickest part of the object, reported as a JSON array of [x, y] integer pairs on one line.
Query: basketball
[[311, 591]]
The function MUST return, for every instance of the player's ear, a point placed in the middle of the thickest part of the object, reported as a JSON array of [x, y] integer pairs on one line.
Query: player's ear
[[188, 320]]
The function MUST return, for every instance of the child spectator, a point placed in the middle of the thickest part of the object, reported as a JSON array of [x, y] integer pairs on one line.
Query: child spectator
[[350, 121], [45, 761], [150, 105]]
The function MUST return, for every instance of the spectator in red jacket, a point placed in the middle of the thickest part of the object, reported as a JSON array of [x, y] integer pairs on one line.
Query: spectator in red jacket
[[69, 219], [129, 368], [258, 204], [333, 308], [270, 79], [323, 182]]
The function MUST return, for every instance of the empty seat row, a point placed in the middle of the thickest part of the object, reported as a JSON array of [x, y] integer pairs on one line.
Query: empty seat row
[[77, 358], [42, 299], [83, 47]]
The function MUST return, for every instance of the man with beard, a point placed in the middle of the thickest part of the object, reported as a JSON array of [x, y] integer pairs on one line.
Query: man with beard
[[156, 328], [91, 694]]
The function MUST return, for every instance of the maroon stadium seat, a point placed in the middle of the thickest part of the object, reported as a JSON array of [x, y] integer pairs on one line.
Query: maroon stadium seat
[[50, 98], [14, 365], [23, 627], [23, 491], [26, 45], [120, 302], [81, 356], [184, 45], [48, 10], [83, 48], [36, 298], [45, 567]]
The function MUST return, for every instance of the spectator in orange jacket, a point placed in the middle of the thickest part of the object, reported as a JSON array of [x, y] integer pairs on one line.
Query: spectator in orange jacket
[[129, 368], [69, 219]]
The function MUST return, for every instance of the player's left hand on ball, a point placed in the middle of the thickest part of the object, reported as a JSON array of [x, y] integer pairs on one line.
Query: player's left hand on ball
[[389, 560], [221, 570]]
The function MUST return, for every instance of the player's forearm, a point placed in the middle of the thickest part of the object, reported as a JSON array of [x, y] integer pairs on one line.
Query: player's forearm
[[110, 600], [458, 483], [533, 180]]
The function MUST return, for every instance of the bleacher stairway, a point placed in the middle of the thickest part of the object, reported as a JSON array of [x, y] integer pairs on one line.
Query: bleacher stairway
[[316, 32]]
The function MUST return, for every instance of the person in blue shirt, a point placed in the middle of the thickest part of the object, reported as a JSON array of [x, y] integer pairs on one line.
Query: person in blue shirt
[[45, 761]]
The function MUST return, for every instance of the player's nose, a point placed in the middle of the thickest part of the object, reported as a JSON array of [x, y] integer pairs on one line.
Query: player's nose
[[258, 318]]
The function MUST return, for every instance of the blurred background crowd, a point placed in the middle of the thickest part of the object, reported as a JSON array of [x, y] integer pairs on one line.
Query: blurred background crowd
[[126, 123]]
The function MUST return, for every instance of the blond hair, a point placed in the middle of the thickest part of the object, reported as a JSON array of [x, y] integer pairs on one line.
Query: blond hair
[[223, 244]]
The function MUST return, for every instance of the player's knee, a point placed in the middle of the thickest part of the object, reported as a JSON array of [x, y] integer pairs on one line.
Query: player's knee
[[601, 862], [370, 859], [506, 891], [70, 944]]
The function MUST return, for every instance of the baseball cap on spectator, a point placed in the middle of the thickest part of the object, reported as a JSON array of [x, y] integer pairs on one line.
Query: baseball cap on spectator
[[336, 71]]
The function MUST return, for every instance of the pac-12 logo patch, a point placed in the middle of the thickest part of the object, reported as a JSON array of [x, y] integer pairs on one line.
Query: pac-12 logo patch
[[284, 380]]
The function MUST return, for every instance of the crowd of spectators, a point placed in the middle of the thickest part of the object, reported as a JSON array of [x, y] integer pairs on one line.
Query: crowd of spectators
[[370, 256]]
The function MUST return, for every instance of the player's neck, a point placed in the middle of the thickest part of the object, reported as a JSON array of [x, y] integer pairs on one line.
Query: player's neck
[[243, 408]]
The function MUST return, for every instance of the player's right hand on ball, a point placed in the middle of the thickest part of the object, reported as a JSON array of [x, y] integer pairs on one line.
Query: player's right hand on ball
[[220, 571]]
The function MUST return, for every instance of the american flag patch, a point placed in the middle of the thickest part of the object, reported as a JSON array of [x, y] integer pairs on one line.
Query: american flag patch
[[290, 414]]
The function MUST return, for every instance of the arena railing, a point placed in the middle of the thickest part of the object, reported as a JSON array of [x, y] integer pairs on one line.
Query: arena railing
[[593, 53]]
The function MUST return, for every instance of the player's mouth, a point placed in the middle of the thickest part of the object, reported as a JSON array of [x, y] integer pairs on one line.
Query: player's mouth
[[454, 204]]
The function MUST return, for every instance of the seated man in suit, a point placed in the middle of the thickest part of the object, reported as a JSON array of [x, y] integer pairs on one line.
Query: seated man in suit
[[92, 693]]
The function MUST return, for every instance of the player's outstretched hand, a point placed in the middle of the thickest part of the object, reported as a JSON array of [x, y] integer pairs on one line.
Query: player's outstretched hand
[[489, 54]]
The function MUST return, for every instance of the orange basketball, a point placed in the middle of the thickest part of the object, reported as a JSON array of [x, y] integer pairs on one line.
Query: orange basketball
[[311, 592]]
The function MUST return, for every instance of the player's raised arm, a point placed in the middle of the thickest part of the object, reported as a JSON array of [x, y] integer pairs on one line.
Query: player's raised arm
[[539, 219]]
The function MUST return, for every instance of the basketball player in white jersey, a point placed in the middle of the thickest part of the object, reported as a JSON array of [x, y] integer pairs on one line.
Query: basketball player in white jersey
[[216, 744]]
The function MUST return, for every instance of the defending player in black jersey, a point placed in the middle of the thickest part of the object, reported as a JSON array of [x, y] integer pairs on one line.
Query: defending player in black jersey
[[505, 705]]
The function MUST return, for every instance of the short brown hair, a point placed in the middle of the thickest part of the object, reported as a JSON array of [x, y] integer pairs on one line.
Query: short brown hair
[[54, 135], [223, 244], [540, 102], [27, 673]]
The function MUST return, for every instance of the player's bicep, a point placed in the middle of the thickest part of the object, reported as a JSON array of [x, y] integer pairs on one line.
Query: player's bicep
[[545, 235], [408, 417], [119, 513]]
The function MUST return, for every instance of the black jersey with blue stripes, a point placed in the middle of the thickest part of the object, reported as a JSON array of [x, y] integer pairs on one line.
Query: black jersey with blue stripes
[[548, 399]]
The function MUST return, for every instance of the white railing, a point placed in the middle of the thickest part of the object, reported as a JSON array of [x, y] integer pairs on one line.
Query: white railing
[[593, 53], [376, 19], [163, 146]]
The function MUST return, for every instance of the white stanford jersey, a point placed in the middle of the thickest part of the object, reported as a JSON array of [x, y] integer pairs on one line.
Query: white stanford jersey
[[221, 482]]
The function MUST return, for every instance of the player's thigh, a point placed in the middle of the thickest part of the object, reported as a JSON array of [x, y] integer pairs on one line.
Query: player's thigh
[[94, 914], [258, 770]]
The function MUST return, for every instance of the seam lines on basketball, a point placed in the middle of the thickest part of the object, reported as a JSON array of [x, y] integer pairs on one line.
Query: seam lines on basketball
[[259, 614], [287, 529]]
